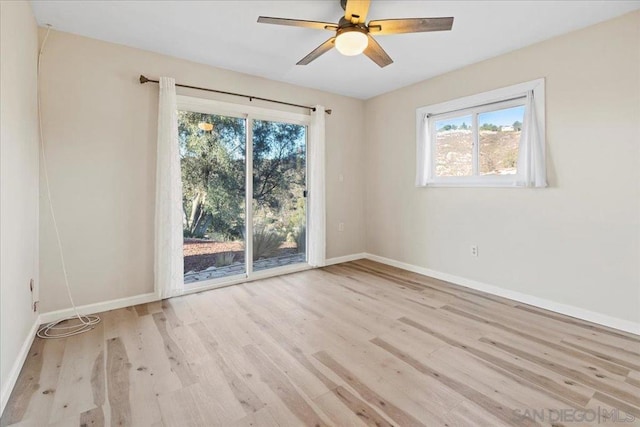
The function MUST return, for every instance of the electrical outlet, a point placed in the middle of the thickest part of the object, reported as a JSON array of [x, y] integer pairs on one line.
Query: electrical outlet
[[341, 226], [474, 250]]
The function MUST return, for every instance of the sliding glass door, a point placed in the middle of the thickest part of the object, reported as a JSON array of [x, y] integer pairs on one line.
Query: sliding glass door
[[221, 206]]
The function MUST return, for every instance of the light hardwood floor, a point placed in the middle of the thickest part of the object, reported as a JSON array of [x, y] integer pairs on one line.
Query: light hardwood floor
[[353, 344]]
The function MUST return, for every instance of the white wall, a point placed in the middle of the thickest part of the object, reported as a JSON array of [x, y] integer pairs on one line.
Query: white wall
[[100, 129], [575, 243], [18, 185]]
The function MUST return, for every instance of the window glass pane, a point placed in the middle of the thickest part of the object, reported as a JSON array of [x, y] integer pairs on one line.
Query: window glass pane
[[499, 140], [454, 147], [212, 159], [279, 197]]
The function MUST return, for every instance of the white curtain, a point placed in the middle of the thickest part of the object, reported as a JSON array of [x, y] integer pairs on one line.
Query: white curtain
[[531, 161], [423, 151], [168, 262], [316, 184]]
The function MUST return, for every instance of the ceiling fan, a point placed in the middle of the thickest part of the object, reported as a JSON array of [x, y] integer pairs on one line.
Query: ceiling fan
[[353, 35]]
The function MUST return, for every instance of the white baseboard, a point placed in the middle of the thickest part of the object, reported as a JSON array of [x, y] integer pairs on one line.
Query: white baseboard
[[568, 310], [346, 258], [98, 307], [7, 387]]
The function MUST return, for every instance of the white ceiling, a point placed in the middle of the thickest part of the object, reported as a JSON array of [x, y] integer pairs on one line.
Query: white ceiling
[[225, 34]]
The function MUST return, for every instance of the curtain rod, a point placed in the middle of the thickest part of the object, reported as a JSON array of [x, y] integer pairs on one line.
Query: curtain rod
[[144, 80]]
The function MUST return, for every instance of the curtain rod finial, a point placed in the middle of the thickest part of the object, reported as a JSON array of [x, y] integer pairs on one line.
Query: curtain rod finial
[[143, 79]]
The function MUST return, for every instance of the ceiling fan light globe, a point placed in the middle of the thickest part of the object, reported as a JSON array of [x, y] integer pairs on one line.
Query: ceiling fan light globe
[[351, 43]]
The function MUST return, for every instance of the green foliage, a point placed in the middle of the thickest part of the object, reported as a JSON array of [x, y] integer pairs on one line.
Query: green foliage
[[489, 126], [278, 163], [300, 238], [464, 126], [517, 125], [223, 259], [266, 243], [213, 171]]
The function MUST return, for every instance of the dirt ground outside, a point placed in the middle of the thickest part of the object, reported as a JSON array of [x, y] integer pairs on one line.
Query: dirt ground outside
[[200, 254], [498, 152]]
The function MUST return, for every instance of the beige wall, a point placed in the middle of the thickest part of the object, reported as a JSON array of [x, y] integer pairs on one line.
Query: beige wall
[[100, 130], [18, 182], [576, 242]]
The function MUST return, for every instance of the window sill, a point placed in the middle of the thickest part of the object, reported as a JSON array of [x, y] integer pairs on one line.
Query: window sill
[[490, 183], [469, 185], [509, 184]]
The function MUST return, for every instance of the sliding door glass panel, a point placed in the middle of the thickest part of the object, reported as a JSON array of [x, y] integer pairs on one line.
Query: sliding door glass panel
[[213, 163], [279, 194]]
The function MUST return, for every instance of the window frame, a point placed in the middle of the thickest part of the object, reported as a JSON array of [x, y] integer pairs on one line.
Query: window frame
[[474, 105]]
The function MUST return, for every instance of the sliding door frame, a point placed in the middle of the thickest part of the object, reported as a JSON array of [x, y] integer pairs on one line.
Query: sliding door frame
[[248, 113]]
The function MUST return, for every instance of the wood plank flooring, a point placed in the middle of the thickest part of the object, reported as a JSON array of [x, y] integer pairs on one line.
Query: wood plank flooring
[[353, 344]]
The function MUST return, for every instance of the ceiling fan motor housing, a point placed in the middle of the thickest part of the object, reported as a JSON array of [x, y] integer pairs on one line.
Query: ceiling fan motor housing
[[351, 40], [346, 26]]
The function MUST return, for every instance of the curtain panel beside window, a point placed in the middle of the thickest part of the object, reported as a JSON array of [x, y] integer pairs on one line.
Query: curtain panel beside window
[[423, 166], [316, 200], [531, 170], [168, 265]]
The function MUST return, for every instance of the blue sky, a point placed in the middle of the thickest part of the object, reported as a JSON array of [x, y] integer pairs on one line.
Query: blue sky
[[504, 117]]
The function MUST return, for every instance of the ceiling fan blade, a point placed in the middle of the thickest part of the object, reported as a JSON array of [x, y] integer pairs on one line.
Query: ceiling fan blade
[[320, 50], [357, 10], [298, 23], [411, 25], [376, 53]]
